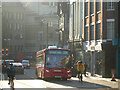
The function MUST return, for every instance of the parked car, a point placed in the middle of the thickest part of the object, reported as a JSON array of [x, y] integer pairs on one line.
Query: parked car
[[19, 68], [26, 63]]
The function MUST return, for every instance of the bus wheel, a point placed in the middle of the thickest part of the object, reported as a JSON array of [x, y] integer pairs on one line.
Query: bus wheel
[[65, 79]]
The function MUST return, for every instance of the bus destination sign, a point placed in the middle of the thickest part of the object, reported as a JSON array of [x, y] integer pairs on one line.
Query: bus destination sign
[[57, 52]]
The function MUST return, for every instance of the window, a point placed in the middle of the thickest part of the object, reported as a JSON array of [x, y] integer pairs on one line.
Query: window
[[10, 25], [10, 15], [92, 32], [14, 15], [111, 5], [21, 26], [15, 26], [98, 6], [18, 16], [21, 16], [86, 33], [18, 26], [40, 35], [53, 3], [7, 15], [110, 28], [49, 3], [98, 30], [91, 7], [86, 8], [50, 35]]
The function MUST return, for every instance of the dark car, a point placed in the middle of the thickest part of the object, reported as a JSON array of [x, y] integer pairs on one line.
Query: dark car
[[19, 69]]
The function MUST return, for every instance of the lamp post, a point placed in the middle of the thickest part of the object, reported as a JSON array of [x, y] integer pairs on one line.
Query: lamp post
[[73, 30], [49, 24], [81, 44], [46, 22], [47, 34], [58, 31]]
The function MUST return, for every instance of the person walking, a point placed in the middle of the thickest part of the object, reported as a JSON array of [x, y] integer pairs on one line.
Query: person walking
[[11, 72], [80, 69], [85, 64]]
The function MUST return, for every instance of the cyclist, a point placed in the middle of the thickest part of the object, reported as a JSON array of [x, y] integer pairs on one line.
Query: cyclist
[[80, 69], [11, 72]]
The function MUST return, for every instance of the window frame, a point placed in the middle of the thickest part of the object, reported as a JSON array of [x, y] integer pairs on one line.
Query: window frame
[[111, 28], [112, 5]]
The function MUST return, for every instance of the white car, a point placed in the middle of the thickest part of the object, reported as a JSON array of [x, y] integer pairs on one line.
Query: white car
[[26, 63]]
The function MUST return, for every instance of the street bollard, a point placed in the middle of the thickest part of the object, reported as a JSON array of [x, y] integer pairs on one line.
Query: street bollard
[[113, 77], [119, 84]]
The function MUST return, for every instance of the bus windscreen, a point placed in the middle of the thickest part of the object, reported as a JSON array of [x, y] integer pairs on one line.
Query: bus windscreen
[[58, 59]]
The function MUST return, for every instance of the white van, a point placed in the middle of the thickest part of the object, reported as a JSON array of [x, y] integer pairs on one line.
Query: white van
[[26, 63]]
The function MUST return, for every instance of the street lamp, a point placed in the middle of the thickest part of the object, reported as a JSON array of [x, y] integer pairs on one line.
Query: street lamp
[[59, 38], [73, 31], [81, 44], [46, 22], [49, 24]]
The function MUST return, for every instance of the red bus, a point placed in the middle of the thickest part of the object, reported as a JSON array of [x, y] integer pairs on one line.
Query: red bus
[[54, 63]]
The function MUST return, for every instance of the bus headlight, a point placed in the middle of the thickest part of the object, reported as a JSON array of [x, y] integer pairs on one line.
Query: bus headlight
[[47, 71], [68, 71]]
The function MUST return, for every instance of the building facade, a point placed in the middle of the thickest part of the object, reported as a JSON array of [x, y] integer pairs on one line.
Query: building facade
[[13, 30], [41, 24], [100, 30], [76, 29], [94, 41], [118, 43], [28, 27], [0, 31], [63, 14]]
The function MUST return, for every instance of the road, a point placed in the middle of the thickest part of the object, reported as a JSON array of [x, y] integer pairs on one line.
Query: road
[[29, 80]]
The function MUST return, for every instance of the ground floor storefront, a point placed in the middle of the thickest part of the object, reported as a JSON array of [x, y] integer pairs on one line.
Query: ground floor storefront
[[100, 57]]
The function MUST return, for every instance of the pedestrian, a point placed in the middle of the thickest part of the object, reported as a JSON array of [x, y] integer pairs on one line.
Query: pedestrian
[[85, 64], [80, 69], [11, 72]]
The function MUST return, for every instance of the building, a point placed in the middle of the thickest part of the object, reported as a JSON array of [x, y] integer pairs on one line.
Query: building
[[28, 27], [13, 30], [118, 43], [63, 13], [0, 30], [41, 24], [76, 29], [100, 23], [95, 41]]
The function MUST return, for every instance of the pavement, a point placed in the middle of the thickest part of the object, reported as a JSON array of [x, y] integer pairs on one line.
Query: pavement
[[97, 79]]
